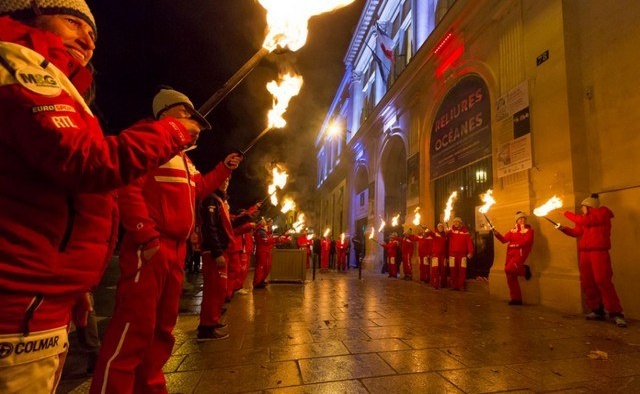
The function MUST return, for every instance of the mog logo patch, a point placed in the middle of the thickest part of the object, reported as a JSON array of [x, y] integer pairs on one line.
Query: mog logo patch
[[38, 81]]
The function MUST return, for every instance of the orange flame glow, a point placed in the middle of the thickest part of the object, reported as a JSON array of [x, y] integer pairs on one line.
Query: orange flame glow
[[282, 92], [553, 203], [382, 224], [342, 237], [488, 201], [373, 232], [326, 232], [416, 217], [395, 220], [449, 207], [287, 20], [287, 205], [298, 225], [278, 182]]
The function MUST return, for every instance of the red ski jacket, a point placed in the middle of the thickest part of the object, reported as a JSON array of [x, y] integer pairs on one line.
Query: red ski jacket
[[460, 240], [593, 230], [57, 170], [520, 240]]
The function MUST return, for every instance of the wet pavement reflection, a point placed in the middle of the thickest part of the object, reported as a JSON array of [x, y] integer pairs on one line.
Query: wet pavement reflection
[[340, 334]]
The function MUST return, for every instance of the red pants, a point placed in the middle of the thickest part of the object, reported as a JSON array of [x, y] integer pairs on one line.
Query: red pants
[[324, 261], [438, 271], [406, 264], [342, 261], [138, 340], [424, 268], [514, 267], [244, 270], [263, 266], [393, 267], [595, 280], [458, 270], [214, 290], [233, 271]]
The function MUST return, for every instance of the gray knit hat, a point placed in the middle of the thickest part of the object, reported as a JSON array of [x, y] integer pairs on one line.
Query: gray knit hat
[[25, 9], [592, 201], [167, 98]]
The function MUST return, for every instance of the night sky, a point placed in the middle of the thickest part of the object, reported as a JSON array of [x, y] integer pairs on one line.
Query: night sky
[[195, 46]]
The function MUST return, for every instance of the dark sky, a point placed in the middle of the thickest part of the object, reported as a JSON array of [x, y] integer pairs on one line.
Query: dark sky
[[195, 46]]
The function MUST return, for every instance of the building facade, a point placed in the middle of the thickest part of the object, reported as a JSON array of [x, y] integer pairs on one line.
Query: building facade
[[528, 98]]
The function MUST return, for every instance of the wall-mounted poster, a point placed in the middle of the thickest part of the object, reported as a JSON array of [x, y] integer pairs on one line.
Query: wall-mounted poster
[[461, 132]]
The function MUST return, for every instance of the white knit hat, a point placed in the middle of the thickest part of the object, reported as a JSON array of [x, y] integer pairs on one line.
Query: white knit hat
[[25, 9], [457, 219], [591, 201], [520, 214], [167, 98]]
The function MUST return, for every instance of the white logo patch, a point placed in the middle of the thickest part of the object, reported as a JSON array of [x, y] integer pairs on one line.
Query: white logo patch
[[38, 81]]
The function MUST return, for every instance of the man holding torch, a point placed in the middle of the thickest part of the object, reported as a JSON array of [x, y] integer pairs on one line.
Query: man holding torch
[[520, 240], [158, 214], [425, 242], [407, 248], [460, 251], [593, 230]]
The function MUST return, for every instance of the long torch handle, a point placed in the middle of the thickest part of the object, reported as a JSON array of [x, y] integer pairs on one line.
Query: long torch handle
[[245, 150], [552, 222], [231, 84], [487, 219]]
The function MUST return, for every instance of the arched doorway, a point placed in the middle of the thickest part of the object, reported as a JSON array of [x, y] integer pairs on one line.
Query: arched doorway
[[394, 177]]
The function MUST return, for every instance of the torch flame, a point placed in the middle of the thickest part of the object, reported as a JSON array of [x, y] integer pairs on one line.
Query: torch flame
[[553, 203], [279, 181], [416, 217], [287, 20], [394, 220], [449, 208], [488, 201], [287, 205], [342, 238], [326, 232], [373, 231], [282, 92], [382, 226], [298, 225]]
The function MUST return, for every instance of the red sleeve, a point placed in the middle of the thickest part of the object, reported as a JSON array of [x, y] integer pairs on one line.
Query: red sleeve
[[245, 228], [500, 237], [59, 138], [134, 215], [211, 181], [573, 232]]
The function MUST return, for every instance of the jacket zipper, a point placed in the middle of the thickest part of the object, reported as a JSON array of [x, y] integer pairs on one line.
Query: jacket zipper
[[70, 220]]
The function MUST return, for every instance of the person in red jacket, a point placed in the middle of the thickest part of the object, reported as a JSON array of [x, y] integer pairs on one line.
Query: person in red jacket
[[305, 243], [58, 175], [439, 259], [265, 242], [243, 230], [460, 251], [425, 242], [158, 215], [341, 253], [593, 230], [407, 242], [325, 250], [391, 251], [241, 225], [520, 240]]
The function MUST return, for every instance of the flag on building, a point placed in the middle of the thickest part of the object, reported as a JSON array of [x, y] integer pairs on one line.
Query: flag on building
[[384, 42]]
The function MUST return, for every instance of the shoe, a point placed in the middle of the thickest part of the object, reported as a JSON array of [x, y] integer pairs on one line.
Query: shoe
[[620, 322], [220, 326], [527, 272], [595, 316], [208, 333], [243, 291], [515, 302]]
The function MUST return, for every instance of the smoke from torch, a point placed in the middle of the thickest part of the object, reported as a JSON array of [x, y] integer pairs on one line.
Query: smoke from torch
[[449, 207]]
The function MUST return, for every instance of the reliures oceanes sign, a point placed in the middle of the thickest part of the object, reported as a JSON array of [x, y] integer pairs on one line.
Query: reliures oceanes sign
[[461, 132]]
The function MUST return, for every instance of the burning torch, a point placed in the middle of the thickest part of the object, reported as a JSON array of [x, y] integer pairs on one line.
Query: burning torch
[[286, 28], [279, 181], [551, 204], [487, 199], [449, 207]]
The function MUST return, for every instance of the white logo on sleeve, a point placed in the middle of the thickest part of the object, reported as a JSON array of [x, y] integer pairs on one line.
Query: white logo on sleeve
[[38, 81]]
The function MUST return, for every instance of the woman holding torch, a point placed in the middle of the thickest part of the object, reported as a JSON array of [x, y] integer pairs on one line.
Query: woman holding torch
[[520, 240], [593, 230]]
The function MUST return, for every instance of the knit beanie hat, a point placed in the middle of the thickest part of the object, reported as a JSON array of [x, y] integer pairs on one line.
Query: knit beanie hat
[[26, 9], [457, 219], [168, 98], [591, 201], [520, 214]]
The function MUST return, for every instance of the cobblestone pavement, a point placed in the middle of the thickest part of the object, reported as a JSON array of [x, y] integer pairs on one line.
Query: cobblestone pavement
[[341, 334]]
